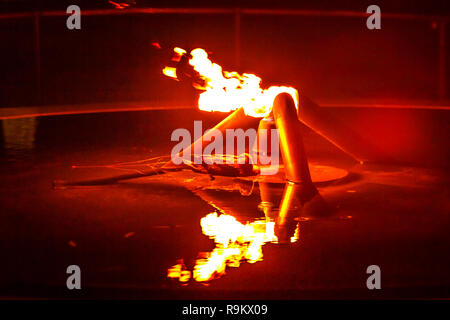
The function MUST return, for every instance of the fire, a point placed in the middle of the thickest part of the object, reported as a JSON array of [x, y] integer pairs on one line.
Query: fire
[[179, 271], [235, 243], [170, 72], [227, 91]]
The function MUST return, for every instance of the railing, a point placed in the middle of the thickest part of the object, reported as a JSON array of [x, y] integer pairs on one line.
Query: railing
[[238, 14]]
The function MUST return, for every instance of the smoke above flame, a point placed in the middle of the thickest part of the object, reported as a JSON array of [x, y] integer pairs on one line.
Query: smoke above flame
[[227, 91], [235, 243]]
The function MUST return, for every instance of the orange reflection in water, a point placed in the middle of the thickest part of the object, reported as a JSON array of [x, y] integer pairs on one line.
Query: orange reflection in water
[[235, 243]]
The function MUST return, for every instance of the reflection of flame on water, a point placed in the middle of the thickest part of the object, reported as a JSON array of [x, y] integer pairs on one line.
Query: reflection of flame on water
[[179, 271], [226, 91], [235, 243]]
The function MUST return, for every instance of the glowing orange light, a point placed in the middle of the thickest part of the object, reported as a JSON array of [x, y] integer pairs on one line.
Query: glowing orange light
[[118, 5], [156, 45], [226, 91], [178, 54], [170, 72], [179, 272]]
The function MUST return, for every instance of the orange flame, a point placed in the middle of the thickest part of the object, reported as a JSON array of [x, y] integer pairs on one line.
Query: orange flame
[[170, 72], [235, 243], [179, 271], [226, 91]]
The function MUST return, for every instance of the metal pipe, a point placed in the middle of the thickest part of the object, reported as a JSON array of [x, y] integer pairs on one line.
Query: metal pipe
[[289, 128], [335, 130], [237, 119], [339, 13], [62, 184], [300, 196], [265, 125], [247, 11]]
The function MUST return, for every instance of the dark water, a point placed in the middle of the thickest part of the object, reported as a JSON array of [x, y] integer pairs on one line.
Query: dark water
[[125, 236]]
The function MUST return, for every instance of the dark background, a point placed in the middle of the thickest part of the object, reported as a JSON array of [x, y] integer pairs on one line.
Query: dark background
[[410, 6], [327, 58]]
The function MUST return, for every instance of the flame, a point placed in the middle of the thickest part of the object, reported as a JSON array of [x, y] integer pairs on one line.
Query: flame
[[178, 54], [170, 72], [235, 243], [227, 91], [179, 272]]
